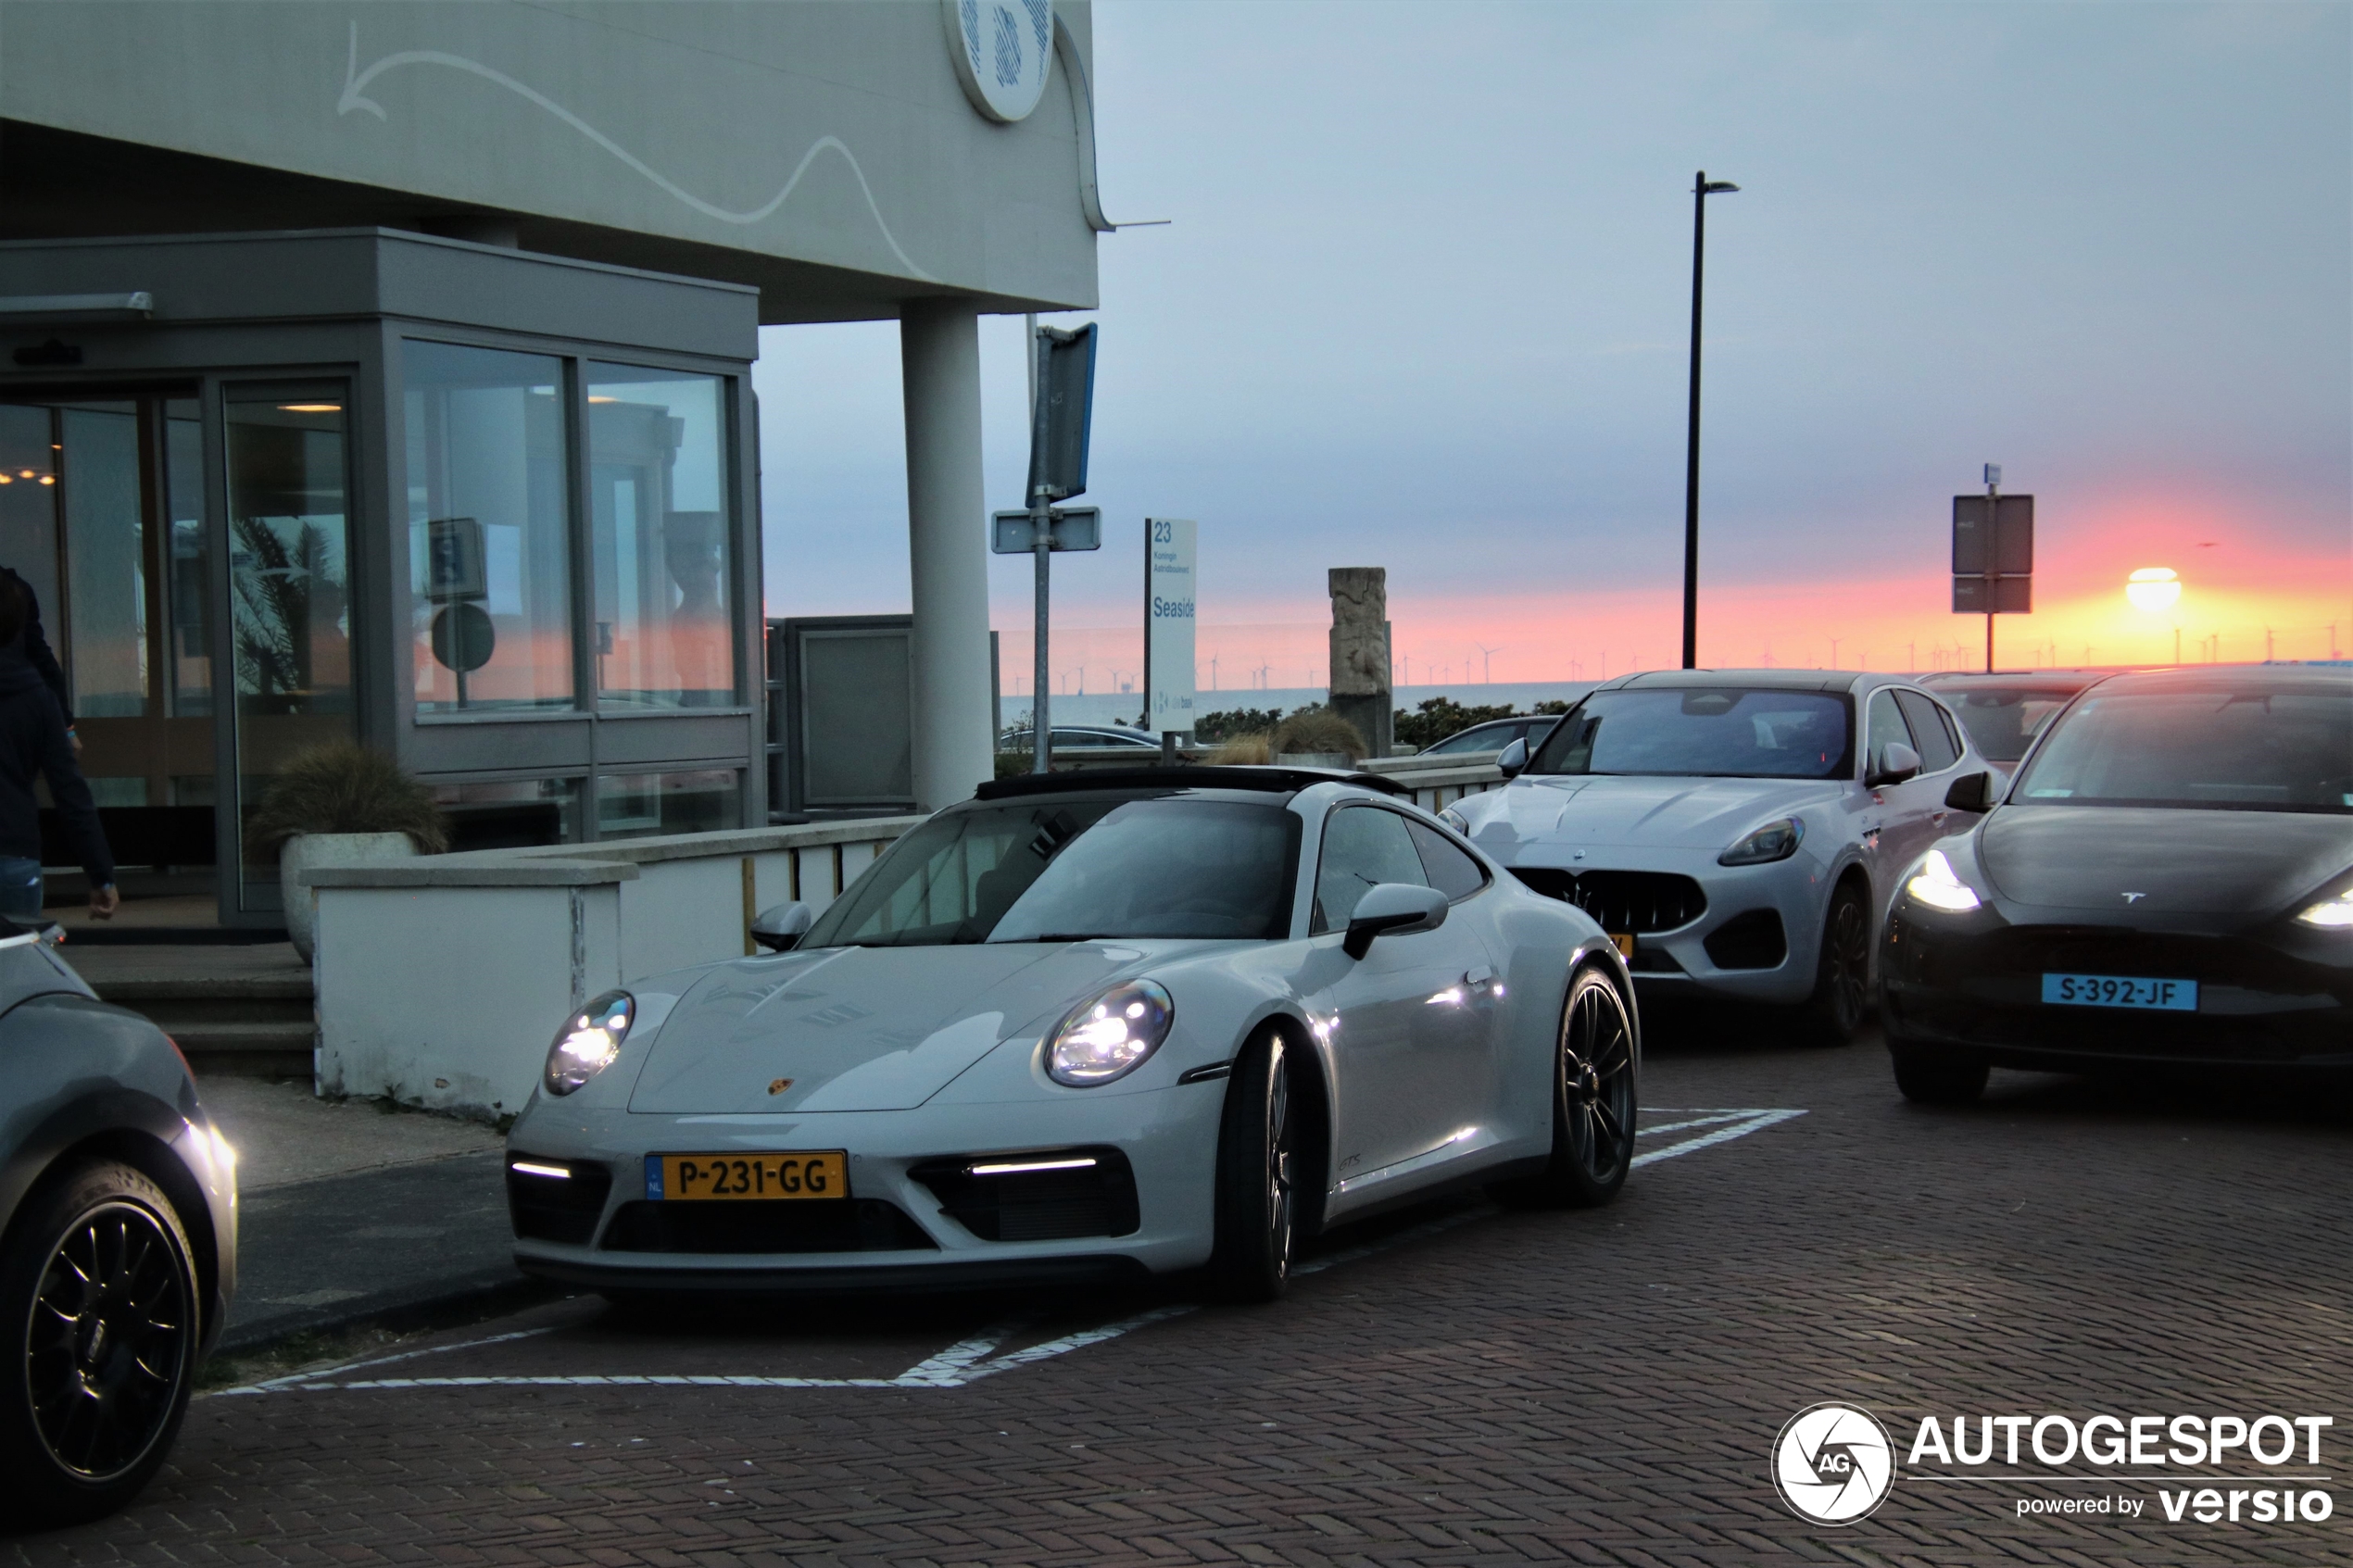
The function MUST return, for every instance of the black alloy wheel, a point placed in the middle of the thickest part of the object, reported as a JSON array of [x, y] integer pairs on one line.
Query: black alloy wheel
[[1593, 1102], [1256, 1201], [101, 1302], [1843, 971]]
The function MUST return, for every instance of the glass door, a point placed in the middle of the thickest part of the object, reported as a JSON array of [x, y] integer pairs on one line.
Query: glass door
[[101, 513], [289, 591]]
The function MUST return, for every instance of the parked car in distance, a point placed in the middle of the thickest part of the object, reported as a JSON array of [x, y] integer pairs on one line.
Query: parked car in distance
[[2003, 712], [117, 1206], [1738, 832], [1495, 734], [2167, 883], [1086, 1026], [1069, 735]]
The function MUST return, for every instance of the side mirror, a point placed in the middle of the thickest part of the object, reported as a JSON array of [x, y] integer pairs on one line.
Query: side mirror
[[1392, 909], [780, 929], [1896, 764], [1972, 792], [1513, 762]]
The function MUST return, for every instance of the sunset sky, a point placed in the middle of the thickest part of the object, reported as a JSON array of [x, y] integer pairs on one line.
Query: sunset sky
[[1425, 305]]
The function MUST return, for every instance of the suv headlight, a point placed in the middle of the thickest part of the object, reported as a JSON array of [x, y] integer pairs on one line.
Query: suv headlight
[[1455, 819], [2332, 913], [1109, 1036], [1774, 841], [589, 1042], [1938, 886]]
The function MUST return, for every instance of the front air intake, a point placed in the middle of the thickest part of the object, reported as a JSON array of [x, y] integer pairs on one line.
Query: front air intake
[[1035, 1197]]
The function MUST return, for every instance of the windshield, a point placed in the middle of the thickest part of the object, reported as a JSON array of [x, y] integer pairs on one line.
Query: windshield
[[1059, 870], [2001, 720], [1714, 732], [2235, 750]]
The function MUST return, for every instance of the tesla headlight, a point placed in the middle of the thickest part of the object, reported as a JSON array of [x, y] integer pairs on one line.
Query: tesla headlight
[[1109, 1036], [2332, 913], [1939, 888], [1455, 819], [1774, 841], [589, 1042]]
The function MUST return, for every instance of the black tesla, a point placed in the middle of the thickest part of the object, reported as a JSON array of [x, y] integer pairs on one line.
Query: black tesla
[[2167, 882]]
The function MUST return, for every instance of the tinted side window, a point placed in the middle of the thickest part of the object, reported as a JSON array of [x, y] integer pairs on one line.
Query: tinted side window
[[1450, 871], [1363, 846], [1934, 741], [1887, 728]]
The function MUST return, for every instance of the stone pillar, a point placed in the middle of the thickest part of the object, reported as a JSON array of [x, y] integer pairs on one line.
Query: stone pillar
[[947, 551], [1359, 690]]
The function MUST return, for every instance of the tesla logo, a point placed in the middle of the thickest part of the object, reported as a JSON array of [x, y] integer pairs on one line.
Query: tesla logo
[[2134, 897]]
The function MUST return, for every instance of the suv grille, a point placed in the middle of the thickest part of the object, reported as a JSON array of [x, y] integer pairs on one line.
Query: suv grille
[[1621, 901]]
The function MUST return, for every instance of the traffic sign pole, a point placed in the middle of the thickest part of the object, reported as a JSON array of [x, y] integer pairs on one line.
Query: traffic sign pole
[[1993, 511]]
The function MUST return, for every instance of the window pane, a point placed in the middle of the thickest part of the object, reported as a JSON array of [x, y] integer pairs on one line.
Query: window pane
[[1930, 736], [1363, 846], [191, 622], [489, 558], [1886, 729], [1451, 872], [658, 506], [105, 614], [511, 813], [641, 805]]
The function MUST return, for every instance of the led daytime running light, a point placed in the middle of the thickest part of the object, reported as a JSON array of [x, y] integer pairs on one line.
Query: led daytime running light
[[1939, 888], [2332, 914]]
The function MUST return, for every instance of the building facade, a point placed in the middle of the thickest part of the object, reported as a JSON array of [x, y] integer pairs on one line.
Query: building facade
[[383, 373]]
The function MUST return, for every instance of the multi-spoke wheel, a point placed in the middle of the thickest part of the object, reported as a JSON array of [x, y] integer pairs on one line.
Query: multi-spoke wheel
[[1593, 1095], [100, 1306], [1257, 1201], [1842, 972]]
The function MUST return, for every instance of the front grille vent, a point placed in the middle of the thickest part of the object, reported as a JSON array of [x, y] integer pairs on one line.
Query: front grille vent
[[1042, 1196], [858, 1224], [1753, 940], [547, 1207], [1639, 903]]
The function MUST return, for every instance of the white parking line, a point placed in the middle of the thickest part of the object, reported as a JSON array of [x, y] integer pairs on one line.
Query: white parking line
[[968, 1361]]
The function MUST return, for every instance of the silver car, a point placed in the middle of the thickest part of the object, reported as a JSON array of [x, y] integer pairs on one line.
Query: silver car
[[1087, 1026], [1737, 832], [118, 1205]]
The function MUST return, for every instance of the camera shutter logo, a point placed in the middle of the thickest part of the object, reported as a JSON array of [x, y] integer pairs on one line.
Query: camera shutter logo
[[1834, 1463]]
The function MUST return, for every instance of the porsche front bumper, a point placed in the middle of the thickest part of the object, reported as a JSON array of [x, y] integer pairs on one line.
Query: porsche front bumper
[[599, 1226]]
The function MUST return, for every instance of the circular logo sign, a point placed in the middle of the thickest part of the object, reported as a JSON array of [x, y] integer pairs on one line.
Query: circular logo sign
[[1834, 1463], [1003, 49]]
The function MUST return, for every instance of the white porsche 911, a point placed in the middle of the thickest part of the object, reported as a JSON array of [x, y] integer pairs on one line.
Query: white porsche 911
[[1738, 832], [1085, 1025]]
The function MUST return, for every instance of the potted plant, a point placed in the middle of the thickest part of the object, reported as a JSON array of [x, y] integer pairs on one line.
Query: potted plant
[[1317, 737], [340, 804]]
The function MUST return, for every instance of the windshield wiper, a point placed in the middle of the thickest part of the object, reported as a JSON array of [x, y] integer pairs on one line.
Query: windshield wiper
[[1066, 937]]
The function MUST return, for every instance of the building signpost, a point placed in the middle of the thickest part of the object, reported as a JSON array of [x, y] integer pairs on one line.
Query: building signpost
[[1168, 628], [1993, 554], [1061, 406]]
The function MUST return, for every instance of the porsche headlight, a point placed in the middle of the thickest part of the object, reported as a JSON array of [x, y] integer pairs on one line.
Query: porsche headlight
[[589, 1042], [1938, 886], [1455, 819], [1774, 841], [1109, 1036], [2332, 913]]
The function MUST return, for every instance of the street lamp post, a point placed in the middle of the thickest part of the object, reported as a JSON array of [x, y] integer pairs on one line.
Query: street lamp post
[[1702, 188]]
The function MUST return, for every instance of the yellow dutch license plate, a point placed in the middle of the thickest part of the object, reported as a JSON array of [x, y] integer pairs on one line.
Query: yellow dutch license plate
[[705, 1177], [1625, 941]]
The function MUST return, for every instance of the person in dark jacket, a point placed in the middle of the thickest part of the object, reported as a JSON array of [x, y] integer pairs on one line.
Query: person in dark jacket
[[34, 649], [33, 744]]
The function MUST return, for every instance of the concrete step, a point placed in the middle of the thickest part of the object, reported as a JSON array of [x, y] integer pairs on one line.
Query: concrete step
[[263, 1049], [241, 1010]]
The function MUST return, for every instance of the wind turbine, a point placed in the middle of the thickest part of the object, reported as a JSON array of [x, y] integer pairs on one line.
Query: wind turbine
[[1486, 663]]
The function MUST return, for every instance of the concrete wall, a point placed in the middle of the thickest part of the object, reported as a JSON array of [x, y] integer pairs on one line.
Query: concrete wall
[[441, 981], [823, 148]]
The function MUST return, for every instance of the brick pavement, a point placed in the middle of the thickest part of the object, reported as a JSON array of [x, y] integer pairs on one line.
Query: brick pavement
[[1597, 1388]]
